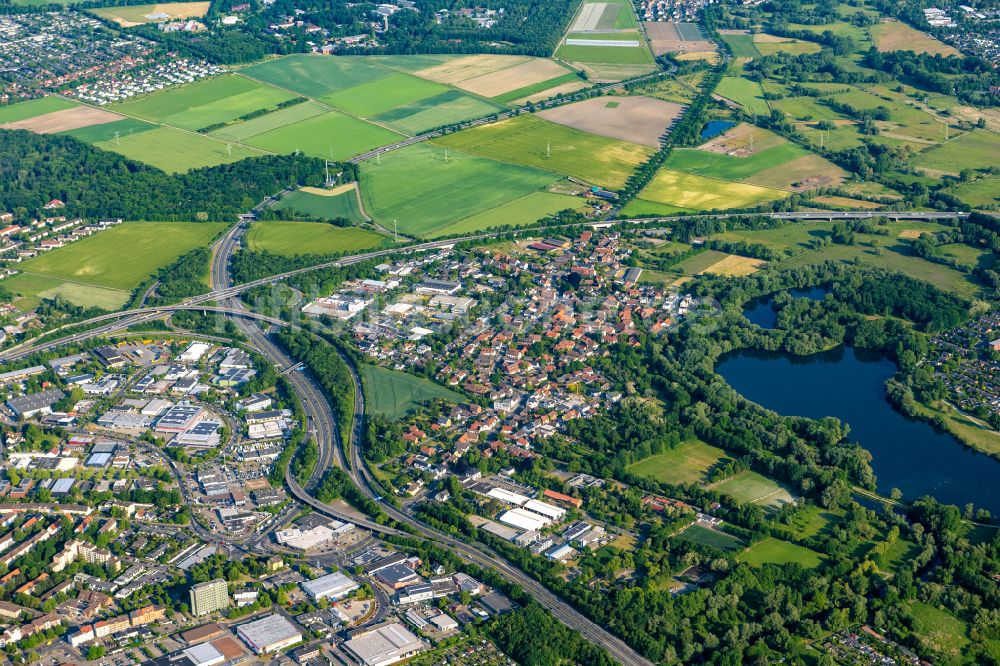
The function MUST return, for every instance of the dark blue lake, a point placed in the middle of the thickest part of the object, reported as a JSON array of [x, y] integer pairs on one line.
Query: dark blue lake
[[849, 384], [761, 312], [714, 128]]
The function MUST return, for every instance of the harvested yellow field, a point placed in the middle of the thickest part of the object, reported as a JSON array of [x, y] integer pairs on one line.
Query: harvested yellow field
[[519, 76], [898, 36], [469, 67], [742, 141], [330, 192], [709, 56], [133, 15], [735, 266], [687, 190], [65, 120], [990, 116]]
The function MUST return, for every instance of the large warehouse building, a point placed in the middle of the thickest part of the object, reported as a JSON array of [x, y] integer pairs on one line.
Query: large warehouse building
[[333, 586], [383, 646], [269, 634]]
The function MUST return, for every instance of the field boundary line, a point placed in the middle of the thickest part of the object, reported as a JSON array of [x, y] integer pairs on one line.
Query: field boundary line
[[82, 284]]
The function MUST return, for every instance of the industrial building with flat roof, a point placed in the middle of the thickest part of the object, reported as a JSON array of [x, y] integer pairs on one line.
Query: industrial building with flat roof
[[332, 586], [179, 418], [522, 519], [269, 634], [383, 646]]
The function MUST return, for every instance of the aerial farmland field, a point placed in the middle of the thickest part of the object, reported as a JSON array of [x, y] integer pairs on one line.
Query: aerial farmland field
[[445, 109], [242, 131], [641, 120], [324, 204], [975, 150], [291, 239], [396, 394], [386, 93], [698, 192], [535, 142], [316, 76], [332, 135], [175, 151], [425, 191], [33, 108], [103, 269], [744, 92], [107, 131], [523, 210], [203, 103]]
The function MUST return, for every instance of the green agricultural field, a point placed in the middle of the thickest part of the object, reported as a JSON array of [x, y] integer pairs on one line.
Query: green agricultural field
[[524, 210], [291, 239], [638, 207], [700, 262], [116, 260], [975, 150], [536, 88], [322, 207], [333, 135], [750, 487], [609, 55], [939, 630], [742, 46], [806, 109], [690, 462], [709, 537], [535, 142], [315, 75], [35, 107], [744, 92], [205, 102], [242, 131], [792, 47], [717, 165], [395, 394], [106, 131], [386, 93], [177, 151], [776, 551], [690, 191], [426, 192], [979, 193], [447, 108]]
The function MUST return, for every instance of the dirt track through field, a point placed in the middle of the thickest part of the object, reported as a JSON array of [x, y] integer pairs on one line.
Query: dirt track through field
[[65, 120]]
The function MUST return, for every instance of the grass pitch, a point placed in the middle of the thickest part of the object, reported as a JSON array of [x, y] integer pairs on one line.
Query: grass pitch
[[534, 142], [426, 192], [776, 551], [690, 191], [396, 394], [749, 487], [709, 537], [292, 239], [205, 102], [118, 259], [688, 463], [175, 151]]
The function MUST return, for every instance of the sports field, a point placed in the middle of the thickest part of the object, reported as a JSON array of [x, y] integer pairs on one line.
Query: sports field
[[292, 239], [744, 92], [395, 394], [332, 135], [325, 204], [749, 487], [690, 462], [898, 36], [691, 191], [535, 142], [425, 190], [111, 263], [776, 551], [131, 15], [176, 151], [205, 102], [523, 210], [710, 537]]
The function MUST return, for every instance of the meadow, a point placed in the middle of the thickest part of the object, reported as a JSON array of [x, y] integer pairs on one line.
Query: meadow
[[292, 239], [203, 103], [396, 394], [982, 192], [939, 630], [749, 487], [691, 191], [117, 260], [704, 163], [690, 462], [744, 92], [325, 206], [176, 151], [742, 46], [897, 36], [535, 142], [776, 551], [425, 191], [976, 150], [524, 210], [332, 135]]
